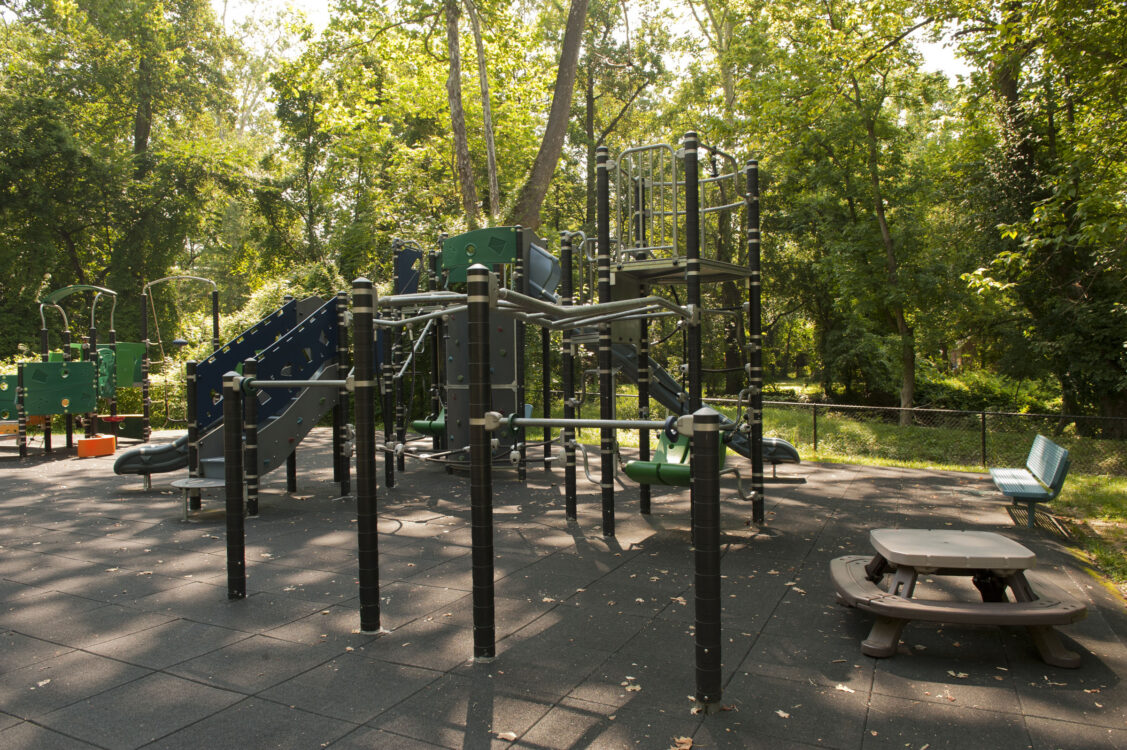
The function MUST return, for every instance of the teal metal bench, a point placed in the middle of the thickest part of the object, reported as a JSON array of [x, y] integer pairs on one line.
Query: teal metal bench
[[1040, 481]]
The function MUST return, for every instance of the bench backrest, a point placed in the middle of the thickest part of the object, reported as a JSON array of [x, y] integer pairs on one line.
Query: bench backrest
[[1048, 462]]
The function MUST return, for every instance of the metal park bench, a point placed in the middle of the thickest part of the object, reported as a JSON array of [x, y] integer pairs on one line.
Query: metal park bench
[[1040, 481]]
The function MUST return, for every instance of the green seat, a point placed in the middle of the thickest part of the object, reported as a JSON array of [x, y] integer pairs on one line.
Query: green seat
[[433, 427], [670, 463]]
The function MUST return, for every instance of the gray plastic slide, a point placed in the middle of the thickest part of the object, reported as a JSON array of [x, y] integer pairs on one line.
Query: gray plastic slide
[[667, 391], [154, 459]]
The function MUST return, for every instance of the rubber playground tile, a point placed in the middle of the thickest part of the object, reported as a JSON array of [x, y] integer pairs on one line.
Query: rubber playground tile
[[1093, 694], [579, 724], [167, 644], [139, 712], [47, 685], [203, 602], [323, 586], [93, 626], [728, 730], [43, 606], [462, 712], [28, 735], [530, 669], [623, 681], [568, 625], [338, 625], [900, 722], [401, 603], [828, 661], [950, 666], [18, 650], [255, 723], [255, 663], [330, 689], [7, 720], [1051, 734], [366, 738], [795, 711], [39, 569], [115, 585]]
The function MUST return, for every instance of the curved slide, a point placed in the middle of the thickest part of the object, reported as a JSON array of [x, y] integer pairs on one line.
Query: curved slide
[[667, 391], [154, 459]]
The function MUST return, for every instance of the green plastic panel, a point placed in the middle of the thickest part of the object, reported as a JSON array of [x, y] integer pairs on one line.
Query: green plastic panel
[[487, 246], [129, 356], [107, 371], [8, 396], [59, 388]]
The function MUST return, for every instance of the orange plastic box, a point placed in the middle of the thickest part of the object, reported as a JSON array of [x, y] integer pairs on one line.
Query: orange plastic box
[[99, 445]]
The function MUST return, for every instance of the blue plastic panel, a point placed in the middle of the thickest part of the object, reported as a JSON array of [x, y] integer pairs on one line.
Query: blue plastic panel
[[209, 373], [297, 355]]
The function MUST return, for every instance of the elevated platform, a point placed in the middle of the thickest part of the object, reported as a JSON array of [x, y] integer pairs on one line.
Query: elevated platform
[[672, 270]]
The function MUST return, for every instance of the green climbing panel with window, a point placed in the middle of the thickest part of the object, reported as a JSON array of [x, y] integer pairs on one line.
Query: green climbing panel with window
[[488, 247], [8, 396], [59, 388]]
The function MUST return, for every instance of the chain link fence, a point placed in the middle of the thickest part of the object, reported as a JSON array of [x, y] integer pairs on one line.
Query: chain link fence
[[947, 437]]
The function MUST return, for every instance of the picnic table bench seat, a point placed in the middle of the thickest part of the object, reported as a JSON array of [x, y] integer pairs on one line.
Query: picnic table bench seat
[[1040, 481]]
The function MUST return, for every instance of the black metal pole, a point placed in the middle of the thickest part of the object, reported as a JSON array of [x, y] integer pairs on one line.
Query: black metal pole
[[692, 268], [291, 459], [706, 535], [984, 438], [21, 413], [567, 377], [546, 391], [214, 320], [606, 384], [67, 357], [520, 284], [192, 406], [481, 479], [45, 355], [146, 400], [250, 430], [342, 468], [92, 417], [365, 391], [112, 382], [233, 474], [388, 376], [396, 357], [644, 493], [437, 441], [755, 354]]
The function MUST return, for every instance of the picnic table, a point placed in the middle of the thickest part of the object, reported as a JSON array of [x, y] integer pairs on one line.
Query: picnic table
[[995, 563]]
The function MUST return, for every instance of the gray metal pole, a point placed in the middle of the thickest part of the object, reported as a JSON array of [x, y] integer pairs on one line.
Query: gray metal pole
[[520, 284], [481, 479], [192, 397]]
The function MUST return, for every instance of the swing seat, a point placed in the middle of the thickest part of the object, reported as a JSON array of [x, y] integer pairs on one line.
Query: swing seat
[[432, 427], [670, 463]]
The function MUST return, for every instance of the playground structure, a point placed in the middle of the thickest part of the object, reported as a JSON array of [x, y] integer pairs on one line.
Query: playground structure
[[476, 339], [72, 380]]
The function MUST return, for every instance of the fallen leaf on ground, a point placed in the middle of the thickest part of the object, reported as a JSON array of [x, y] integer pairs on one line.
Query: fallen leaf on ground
[[507, 736], [682, 743], [845, 689], [782, 714]]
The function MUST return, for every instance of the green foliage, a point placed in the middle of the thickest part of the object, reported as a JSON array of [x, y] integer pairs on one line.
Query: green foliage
[[982, 390]]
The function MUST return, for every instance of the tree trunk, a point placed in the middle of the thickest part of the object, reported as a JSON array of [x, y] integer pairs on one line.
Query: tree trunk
[[526, 212], [143, 119], [486, 112], [462, 165]]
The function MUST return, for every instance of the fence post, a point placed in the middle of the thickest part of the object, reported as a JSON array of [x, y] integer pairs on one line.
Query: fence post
[[815, 428], [984, 438]]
